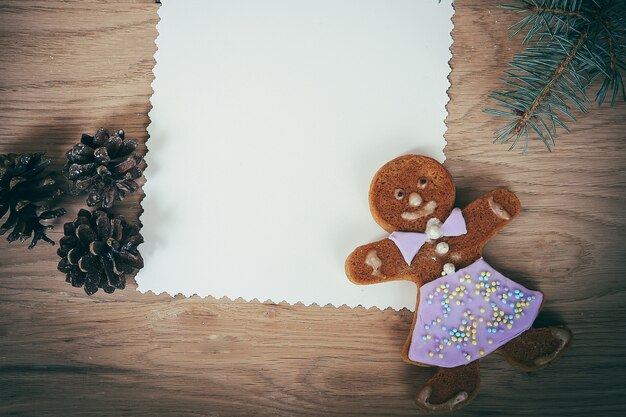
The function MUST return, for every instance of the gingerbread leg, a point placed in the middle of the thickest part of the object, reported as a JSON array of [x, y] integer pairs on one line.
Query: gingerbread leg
[[536, 348], [450, 388]]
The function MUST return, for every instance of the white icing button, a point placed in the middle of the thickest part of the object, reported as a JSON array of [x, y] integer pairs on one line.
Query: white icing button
[[448, 269], [433, 228], [442, 248]]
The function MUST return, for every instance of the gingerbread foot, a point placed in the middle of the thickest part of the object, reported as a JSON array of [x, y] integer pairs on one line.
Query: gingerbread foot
[[450, 388], [536, 348]]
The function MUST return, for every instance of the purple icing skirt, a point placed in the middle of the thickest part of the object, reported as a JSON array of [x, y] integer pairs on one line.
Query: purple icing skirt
[[469, 314]]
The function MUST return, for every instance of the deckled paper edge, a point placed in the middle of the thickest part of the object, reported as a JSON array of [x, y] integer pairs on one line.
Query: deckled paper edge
[[146, 157], [451, 49], [269, 301]]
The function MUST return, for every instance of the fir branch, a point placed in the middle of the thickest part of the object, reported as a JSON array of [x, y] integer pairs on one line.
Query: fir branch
[[541, 18], [555, 11], [613, 78], [570, 43], [554, 78]]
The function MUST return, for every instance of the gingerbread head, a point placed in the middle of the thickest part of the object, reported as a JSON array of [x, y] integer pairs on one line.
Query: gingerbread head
[[408, 191], [465, 308]]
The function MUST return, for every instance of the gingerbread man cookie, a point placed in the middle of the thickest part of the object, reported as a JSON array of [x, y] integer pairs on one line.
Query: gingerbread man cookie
[[465, 308]]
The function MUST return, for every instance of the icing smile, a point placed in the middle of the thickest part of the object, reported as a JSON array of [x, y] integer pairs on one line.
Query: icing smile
[[429, 208]]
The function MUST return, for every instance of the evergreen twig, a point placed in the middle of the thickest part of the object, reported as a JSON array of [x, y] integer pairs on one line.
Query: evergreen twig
[[570, 44]]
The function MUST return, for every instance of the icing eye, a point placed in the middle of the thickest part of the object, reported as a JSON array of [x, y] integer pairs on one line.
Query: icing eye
[[399, 193], [422, 182]]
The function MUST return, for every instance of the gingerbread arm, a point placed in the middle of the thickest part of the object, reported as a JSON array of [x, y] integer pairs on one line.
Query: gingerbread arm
[[485, 216], [376, 262]]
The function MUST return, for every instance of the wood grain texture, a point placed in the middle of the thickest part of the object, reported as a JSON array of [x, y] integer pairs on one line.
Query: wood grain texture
[[68, 67]]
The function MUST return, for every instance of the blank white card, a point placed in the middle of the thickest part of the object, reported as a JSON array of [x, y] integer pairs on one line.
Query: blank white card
[[269, 119]]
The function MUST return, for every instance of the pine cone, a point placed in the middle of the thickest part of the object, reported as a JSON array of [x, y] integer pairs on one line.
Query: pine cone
[[22, 191], [103, 166], [98, 249]]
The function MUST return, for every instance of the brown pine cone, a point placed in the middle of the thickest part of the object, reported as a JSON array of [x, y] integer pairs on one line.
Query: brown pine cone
[[98, 250], [103, 166], [22, 193]]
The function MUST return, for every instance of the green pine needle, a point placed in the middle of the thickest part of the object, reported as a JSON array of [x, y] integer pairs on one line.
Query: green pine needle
[[569, 45]]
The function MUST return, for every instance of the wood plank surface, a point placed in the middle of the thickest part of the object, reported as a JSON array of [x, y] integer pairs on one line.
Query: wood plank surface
[[68, 67]]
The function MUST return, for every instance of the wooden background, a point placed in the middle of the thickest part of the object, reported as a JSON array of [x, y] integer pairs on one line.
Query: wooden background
[[68, 67]]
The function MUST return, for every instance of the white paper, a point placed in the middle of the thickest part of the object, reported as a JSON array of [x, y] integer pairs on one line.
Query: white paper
[[269, 119]]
